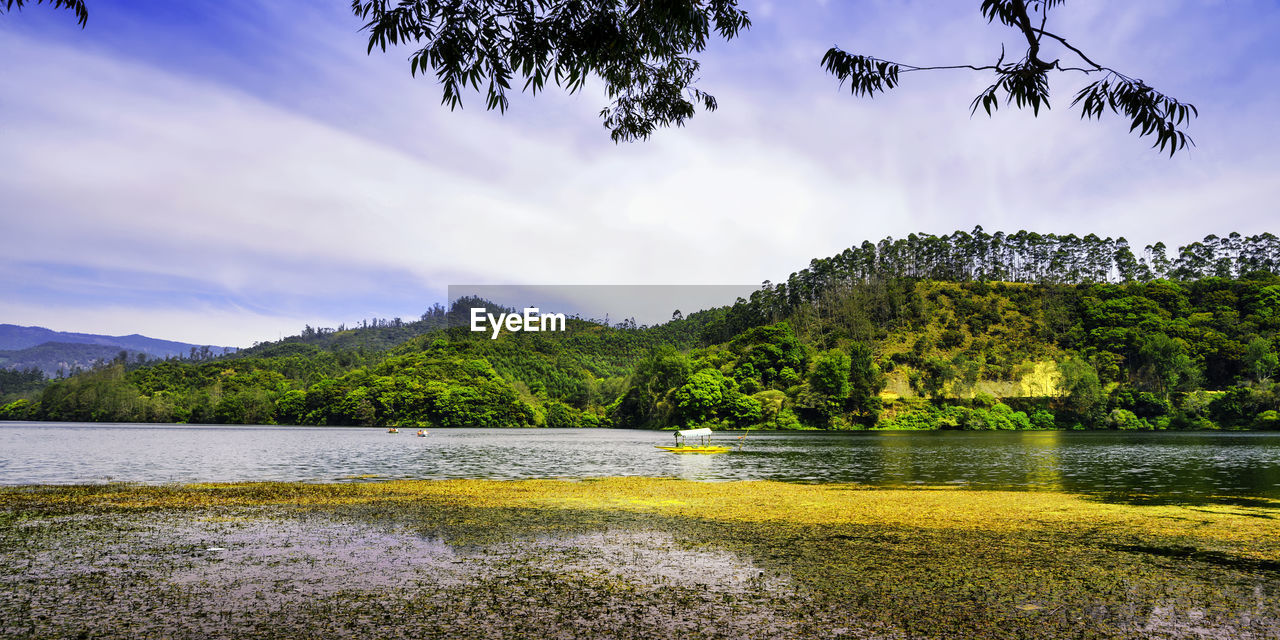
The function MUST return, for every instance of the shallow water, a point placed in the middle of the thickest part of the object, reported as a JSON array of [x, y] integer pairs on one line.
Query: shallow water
[[263, 574], [1167, 465]]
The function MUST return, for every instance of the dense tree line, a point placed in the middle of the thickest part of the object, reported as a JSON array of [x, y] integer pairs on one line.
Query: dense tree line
[[881, 275], [1019, 257], [763, 378], [15, 383], [1163, 354]]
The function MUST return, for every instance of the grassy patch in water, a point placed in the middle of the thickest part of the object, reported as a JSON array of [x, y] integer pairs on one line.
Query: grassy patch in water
[[578, 559]]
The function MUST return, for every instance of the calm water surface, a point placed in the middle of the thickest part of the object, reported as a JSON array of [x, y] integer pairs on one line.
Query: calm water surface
[[1169, 465]]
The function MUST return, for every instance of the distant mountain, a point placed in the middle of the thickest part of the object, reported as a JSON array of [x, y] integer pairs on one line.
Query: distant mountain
[[13, 337], [47, 350], [52, 357]]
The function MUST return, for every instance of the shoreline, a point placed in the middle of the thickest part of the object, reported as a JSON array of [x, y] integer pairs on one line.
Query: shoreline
[[4, 421]]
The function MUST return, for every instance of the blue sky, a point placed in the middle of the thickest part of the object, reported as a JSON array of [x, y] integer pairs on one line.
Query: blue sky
[[225, 171]]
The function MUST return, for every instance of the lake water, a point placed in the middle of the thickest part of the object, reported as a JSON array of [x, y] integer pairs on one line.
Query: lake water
[[1174, 466]]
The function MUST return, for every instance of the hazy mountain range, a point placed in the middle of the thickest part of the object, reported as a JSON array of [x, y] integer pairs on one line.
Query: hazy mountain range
[[50, 351]]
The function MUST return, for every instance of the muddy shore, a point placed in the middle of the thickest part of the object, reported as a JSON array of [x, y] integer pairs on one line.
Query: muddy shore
[[627, 558]]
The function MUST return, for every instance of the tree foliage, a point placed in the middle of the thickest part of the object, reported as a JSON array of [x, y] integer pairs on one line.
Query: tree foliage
[[643, 51], [78, 6], [1024, 82]]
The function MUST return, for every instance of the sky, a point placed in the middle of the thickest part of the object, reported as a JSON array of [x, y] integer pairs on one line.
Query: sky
[[228, 171]]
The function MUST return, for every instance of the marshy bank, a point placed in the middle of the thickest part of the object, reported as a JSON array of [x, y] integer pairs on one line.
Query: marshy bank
[[628, 558]]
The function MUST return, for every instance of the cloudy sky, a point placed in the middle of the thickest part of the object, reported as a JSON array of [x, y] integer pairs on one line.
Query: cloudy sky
[[225, 171]]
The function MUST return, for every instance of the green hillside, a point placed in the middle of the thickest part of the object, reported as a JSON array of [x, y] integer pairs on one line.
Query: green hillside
[[968, 331]]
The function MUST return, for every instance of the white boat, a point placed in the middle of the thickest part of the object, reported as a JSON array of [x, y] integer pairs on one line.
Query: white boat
[[701, 442]]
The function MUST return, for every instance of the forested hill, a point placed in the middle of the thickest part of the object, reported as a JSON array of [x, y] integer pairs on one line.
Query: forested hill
[[967, 331]]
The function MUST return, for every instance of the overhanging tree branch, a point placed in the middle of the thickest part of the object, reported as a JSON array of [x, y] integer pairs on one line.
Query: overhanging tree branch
[[644, 51], [1026, 83], [1079, 53], [82, 12]]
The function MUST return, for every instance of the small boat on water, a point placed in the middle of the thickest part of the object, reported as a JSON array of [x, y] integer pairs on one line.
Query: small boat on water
[[701, 442], [393, 430], [422, 433]]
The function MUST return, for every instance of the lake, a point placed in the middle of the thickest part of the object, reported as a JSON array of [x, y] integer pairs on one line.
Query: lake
[[1173, 466]]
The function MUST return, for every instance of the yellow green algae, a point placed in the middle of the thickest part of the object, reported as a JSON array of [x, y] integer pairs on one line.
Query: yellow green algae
[[629, 558]]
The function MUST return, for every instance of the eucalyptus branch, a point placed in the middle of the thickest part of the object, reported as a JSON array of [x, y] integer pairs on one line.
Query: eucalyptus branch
[[906, 68], [1096, 66], [642, 51], [1149, 111], [1026, 83], [1023, 22]]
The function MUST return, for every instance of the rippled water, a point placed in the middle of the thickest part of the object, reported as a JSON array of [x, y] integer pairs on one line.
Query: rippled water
[[1173, 465]]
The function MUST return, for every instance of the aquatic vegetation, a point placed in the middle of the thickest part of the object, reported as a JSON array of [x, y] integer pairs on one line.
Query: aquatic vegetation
[[630, 558]]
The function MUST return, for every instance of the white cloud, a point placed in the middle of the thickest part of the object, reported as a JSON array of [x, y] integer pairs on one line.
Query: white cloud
[[343, 183]]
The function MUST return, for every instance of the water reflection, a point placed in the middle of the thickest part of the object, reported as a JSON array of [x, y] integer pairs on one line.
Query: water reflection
[[1043, 463], [694, 466], [896, 460], [1119, 466]]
